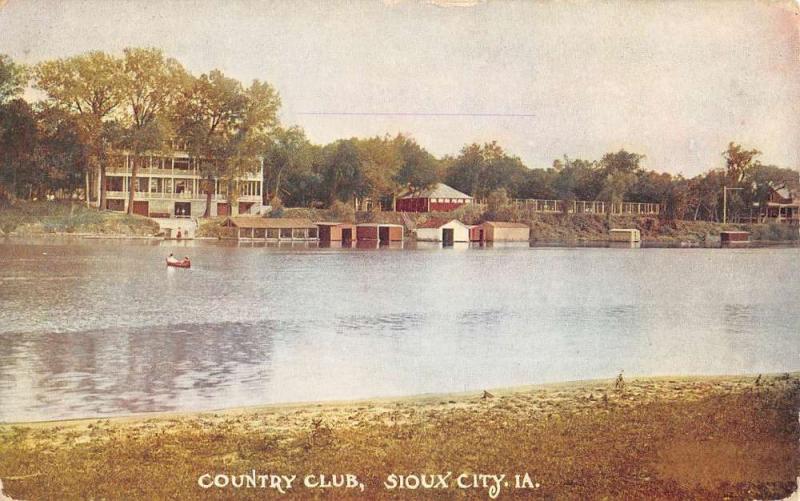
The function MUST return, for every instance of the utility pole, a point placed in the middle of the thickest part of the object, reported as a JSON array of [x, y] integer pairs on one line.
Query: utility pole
[[725, 202]]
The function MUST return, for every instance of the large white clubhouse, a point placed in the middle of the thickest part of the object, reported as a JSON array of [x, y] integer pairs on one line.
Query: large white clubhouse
[[172, 185]]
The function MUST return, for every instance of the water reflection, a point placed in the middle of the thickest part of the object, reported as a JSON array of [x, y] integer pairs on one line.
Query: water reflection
[[107, 371]]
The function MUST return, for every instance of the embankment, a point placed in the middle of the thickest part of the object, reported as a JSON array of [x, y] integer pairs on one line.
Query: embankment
[[647, 438], [59, 217]]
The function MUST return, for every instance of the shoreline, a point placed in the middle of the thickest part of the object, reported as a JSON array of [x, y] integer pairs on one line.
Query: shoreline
[[646, 243], [419, 399], [648, 437]]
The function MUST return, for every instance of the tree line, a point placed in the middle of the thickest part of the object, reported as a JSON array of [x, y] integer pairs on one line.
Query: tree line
[[96, 103]]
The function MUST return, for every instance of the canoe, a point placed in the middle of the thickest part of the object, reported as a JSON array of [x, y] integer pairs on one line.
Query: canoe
[[183, 263]]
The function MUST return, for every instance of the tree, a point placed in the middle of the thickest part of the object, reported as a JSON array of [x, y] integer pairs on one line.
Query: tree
[[13, 79], [150, 83], [618, 171], [417, 167], [18, 140], [62, 153], [206, 113], [343, 173], [739, 161], [244, 147], [287, 151], [496, 200], [88, 86]]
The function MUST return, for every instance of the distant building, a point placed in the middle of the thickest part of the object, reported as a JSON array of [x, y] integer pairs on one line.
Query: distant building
[[500, 231], [379, 232], [624, 235], [783, 206], [171, 184], [438, 198], [336, 232], [272, 229], [442, 230]]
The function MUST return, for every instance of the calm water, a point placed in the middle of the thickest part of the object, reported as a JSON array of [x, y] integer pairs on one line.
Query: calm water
[[92, 328]]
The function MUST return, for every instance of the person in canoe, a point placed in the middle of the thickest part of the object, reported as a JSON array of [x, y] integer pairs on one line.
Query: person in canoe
[[178, 263]]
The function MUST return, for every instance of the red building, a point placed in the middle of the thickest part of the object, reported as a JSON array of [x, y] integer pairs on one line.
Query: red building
[[438, 198]]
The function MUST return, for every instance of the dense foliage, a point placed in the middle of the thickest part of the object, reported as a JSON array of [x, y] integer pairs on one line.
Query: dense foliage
[[142, 101]]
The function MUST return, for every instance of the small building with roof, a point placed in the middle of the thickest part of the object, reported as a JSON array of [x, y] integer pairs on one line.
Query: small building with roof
[[437, 198], [500, 231], [442, 230], [272, 229], [379, 232], [336, 232]]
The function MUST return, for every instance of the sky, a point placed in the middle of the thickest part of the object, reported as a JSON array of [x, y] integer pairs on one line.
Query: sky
[[675, 81]]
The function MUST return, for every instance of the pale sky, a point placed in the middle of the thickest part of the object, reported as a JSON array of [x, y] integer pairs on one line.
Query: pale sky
[[671, 80]]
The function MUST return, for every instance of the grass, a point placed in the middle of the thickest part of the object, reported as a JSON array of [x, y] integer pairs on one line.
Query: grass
[[44, 217], [666, 438]]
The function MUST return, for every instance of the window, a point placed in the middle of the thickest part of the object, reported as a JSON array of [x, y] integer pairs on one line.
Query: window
[[258, 233], [299, 233], [312, 233], [272, 233], [113, 183], [286, 233]]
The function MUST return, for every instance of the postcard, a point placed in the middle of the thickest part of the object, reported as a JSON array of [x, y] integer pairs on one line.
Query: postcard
[[399, 249]]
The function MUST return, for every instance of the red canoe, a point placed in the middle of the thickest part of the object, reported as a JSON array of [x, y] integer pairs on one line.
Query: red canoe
[[183, 263]]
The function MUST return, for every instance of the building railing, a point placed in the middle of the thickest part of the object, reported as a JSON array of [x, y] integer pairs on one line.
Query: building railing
[[121, 170], [152, 195], [584, 206]]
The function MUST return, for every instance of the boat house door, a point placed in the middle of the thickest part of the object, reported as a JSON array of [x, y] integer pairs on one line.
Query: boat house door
[[447, 237]]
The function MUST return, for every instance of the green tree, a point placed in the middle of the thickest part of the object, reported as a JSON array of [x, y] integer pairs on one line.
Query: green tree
[[88, 86], [343, 173], [418, 168], [18, 140], [287, 151], [247, 143], [13, 79], [618, 171], [206, 114], [739, 161], [150, 85]]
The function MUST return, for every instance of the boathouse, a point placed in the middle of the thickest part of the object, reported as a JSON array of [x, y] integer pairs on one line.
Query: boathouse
[[272, 229], [438, 198], [734, 237], [624, 235], [379, 232], [442, 230], [500, 231], [336, 232]]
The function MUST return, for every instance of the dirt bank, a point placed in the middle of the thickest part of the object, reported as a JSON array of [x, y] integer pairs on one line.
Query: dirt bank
[[43, 218], [648, 438]]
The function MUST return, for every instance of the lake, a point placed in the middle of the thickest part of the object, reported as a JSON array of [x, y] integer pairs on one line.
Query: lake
[[94, 328]]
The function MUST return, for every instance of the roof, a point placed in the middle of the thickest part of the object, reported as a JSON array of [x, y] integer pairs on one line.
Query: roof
[[380, 224], [435, 223], [783, 191], [439, 190], [504, 224], [327, 223], [267, 222]]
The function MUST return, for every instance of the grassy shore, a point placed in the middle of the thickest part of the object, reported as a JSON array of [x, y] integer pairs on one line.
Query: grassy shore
[[62, 217], [648, 438]]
